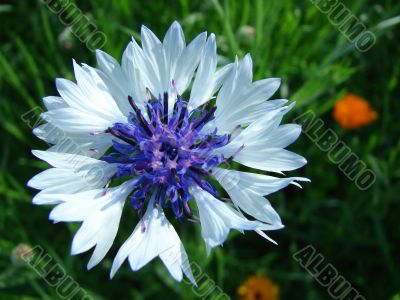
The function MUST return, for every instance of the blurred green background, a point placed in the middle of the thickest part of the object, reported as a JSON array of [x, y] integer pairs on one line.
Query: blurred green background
[[356, 231]]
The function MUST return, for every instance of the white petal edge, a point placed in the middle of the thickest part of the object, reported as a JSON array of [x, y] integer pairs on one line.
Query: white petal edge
[[217, 219], [158, 239]]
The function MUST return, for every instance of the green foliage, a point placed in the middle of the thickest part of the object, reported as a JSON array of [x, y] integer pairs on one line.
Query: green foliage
[[354, 230]]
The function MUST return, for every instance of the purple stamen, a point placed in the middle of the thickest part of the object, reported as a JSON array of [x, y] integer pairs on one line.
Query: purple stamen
[[182, 115], [140, 117], [119, 135], [168, 153], [233, 131], [205, 118], [96, 133], [149, 94], [142, 226], [165, 106], [108, 183], [230, 158]]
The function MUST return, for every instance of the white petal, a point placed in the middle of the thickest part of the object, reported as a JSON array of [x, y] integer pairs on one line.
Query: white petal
[[245, 198], [155, 61], [50, 177], [139, 75], [100, 214], [237, 84], [174, 44], [203, 84], [110, 216], [52, 102], [44, 198], [247, 190], [90, 146], [115, 80], [240, 101], [73, 120], [159, 238], [188, 63], [56, 181], [176, 260], [284, 136], [217, 219], [66, 161], [108, 64], [259, 184], [221, 75], [90, 95], [86, 237], [262, 141], [71, 93], [76, 207], [96, 91], [71, 142], [274, 159], [72, 174]]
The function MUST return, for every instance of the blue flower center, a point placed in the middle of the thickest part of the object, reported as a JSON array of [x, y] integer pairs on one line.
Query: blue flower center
[[167, 152]]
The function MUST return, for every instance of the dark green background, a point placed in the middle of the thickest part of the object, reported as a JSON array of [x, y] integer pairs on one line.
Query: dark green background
[[357, 231]]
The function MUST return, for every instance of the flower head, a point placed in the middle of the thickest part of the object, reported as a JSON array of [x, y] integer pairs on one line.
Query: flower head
[[124, 134], [353, 112], [258, 288]]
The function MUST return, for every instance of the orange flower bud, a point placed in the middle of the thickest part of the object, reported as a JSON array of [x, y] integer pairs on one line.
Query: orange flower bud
[[353, 112], [258, 288]]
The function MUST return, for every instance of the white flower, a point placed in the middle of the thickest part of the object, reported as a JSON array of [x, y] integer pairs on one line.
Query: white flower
[[129, 122]]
